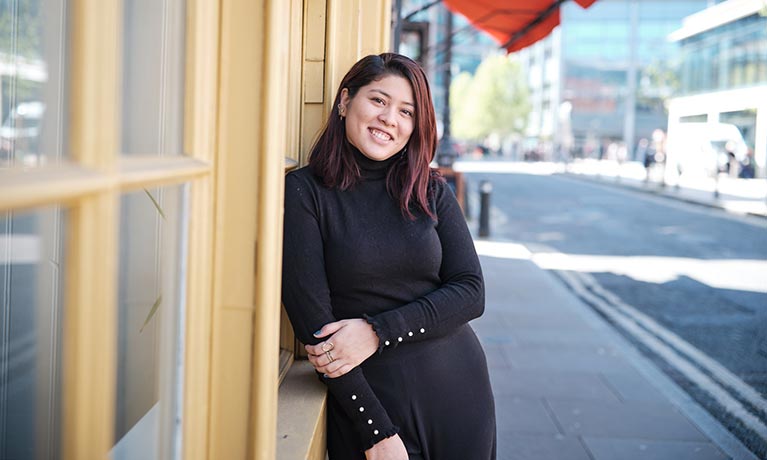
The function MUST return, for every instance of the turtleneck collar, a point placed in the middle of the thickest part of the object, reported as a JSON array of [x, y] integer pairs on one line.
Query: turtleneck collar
[[372, 169]]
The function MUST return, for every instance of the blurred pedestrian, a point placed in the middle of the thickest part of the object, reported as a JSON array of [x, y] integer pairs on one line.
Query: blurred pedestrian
[[731, 164], [747, 167], [647, 154], [379, 262]]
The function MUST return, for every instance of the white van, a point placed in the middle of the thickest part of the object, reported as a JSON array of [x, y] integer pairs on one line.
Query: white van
[[702, 148]]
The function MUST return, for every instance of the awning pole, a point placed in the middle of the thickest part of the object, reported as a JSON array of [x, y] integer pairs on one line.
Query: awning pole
[[445, 154]]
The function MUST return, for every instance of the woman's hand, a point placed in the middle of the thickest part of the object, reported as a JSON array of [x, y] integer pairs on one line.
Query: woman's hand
[[387, 449], [347, 344]]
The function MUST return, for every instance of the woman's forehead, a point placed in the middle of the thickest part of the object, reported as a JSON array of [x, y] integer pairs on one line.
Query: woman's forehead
[[393, 87]]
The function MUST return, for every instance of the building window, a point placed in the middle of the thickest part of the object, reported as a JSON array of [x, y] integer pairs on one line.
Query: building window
[[32, 253], [149, 328]]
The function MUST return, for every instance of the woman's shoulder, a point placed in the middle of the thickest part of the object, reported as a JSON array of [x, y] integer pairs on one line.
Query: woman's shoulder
[[302, 182], [437, 184], [303, 175]]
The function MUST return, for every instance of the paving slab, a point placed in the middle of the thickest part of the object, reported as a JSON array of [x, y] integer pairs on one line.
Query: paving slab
[[557, 337], [630, 386], [552, 385], [640, 449], [566, 360], [624, 420], [523, 415], [516, 446]]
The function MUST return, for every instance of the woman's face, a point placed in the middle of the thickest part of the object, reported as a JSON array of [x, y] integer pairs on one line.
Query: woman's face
[[381, 116]]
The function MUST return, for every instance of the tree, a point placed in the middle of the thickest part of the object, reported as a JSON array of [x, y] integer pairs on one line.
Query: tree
[[21, 28], [494, 101], [658, 81], [459, 91]]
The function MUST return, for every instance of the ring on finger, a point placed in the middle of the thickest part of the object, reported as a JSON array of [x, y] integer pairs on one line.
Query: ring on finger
[[327, 346], [330, 357]]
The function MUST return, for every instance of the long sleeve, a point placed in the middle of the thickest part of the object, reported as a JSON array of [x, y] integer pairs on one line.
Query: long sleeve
[[307, 300], [459, 299]]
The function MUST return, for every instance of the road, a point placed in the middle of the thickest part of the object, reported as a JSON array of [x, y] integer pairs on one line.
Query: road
[[694, 279]]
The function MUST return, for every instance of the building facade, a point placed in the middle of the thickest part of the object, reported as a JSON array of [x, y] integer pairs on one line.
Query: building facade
[[724, 74], [603, 75], [144, 146]]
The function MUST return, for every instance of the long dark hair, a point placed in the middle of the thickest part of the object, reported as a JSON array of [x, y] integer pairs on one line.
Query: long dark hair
[[408, 178]]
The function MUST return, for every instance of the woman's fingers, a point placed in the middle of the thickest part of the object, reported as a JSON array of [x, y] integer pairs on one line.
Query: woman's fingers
[[334, 369], [331, 369], [329, 329], [324, 359], [341, 370], [320, 348]]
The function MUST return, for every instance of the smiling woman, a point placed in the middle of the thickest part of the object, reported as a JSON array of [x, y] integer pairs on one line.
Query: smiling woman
[[380, 278], [379, 120]]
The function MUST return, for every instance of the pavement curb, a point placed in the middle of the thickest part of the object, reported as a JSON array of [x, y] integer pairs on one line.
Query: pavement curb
[[657, 191], [712, 428]]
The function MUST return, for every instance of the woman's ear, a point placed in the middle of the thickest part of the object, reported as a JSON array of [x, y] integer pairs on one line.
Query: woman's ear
[[344, 98]]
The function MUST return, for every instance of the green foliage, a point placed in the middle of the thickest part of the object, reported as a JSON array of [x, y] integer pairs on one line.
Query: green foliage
[[658, 81], [494, 101], [21, 28]]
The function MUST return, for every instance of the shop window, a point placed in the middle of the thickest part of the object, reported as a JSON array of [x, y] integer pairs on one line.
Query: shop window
[[149, 322], [153, 77], [33, 46], [31, 284]]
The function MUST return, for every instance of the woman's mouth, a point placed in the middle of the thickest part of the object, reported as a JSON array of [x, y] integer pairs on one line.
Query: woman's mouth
[[378, 134]]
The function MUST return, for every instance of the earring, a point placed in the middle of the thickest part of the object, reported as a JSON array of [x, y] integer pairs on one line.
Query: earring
[[340, 111], [402, 153]]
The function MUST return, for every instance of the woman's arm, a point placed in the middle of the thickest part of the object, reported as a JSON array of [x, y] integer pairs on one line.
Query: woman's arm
[[306, 296], [459, 299]]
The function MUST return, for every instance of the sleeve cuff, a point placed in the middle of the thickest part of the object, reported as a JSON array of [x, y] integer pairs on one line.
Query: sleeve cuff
[[362, 406], [392, 329], [380, 436], [384, 335]]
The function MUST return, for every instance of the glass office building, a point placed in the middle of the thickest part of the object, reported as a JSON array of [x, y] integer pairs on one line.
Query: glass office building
[[618, 67], [723, 72], [602, 76]]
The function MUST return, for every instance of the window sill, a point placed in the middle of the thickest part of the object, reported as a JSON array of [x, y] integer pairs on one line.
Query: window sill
[[301, 415]]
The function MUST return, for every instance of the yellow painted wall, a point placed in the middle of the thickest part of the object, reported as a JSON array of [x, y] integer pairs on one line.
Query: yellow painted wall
[[280, 62]]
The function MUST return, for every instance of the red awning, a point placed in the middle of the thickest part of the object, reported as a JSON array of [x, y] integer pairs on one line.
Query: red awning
[[514, 24]]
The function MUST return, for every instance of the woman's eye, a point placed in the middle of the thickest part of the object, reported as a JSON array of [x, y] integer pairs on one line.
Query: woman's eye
[[378, 100], [408, 113]]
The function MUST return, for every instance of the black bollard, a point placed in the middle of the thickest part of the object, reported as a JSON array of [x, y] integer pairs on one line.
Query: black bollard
[[485, 189], [466, 208]]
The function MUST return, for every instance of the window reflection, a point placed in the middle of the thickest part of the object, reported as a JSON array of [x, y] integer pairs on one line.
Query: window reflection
[[33, 44], [31, 280], [153, 77], [730, 56], [151, 267]]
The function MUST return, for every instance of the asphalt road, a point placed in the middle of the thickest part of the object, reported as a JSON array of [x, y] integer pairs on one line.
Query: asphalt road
[[699, 273]]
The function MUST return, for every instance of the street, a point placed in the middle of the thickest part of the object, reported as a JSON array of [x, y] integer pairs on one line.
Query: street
[[686, 285]]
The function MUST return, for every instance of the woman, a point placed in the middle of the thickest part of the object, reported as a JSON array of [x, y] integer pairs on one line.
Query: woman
[[380, 278]]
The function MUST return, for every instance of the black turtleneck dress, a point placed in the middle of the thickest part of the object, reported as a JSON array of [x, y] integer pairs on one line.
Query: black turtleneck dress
[[352, 254]]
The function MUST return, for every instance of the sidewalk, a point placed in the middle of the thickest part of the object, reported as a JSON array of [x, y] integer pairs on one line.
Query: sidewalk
[[739, 196], [568, 387]]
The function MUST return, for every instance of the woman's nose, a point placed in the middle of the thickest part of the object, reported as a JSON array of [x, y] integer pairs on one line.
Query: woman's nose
[[387, 116]]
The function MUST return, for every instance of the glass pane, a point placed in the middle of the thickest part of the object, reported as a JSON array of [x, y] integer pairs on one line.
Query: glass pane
[[153, 77], [150, 334], [31, 282], [33, 45]]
